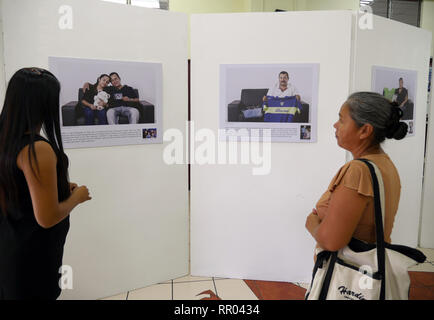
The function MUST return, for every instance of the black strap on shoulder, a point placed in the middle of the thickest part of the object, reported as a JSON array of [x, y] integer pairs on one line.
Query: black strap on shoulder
[[328, 276], [381, 255], [322, 257]]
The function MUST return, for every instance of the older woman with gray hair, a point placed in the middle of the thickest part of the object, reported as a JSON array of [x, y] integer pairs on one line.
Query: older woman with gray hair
[[346, 209]]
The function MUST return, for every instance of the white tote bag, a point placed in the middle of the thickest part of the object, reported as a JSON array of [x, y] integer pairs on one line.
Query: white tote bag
[[362, 271]]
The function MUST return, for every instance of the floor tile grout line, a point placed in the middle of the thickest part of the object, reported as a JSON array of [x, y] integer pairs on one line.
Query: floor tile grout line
[[215, 288], [191, 281]]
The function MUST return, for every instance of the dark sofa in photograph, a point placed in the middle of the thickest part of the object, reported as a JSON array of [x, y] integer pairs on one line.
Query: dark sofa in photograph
[[73, 114], [253, 97]]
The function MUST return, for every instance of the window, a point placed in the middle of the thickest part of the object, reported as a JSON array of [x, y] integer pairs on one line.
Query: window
[[157, 4], [146, 3], [117, 1], [406, 11]]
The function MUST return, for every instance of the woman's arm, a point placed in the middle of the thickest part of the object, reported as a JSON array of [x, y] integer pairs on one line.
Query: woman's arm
[[42, 183], [335, 230], [88, 98], [322, 205], [87, 104]]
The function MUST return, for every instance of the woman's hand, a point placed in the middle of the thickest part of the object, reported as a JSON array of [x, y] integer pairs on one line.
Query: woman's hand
[[313, 222], [80, 194], [101, 104], [72, 186]]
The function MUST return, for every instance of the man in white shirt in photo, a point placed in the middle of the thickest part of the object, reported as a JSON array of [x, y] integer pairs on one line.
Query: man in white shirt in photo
[[283, 88]]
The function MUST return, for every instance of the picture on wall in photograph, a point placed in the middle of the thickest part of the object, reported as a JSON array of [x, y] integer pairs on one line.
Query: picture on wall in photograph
[[280, 97], [150, 133], [398, 86], [305, 132], [108, 103]]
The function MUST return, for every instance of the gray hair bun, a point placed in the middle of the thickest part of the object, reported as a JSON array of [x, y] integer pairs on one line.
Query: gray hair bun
[[378, 111]]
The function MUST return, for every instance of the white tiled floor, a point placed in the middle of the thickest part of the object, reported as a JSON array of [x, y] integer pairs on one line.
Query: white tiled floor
[[234, 289], [197, 288], [191, 288], [303, 285], [190, 278], [122, 296], [155, 292]]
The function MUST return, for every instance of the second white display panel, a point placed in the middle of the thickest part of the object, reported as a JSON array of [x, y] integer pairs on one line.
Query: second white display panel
[[246, 225]]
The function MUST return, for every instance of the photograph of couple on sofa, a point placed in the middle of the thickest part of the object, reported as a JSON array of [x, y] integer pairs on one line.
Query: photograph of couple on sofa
[[107, 102], [280, 103]]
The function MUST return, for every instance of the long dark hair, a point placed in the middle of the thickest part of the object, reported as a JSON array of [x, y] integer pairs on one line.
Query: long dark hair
[[32, 100], [100, 77]]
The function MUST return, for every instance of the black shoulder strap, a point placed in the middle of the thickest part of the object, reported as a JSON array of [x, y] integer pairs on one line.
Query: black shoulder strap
[[328, 277], [321, 257], [381, 255], [27, 138]]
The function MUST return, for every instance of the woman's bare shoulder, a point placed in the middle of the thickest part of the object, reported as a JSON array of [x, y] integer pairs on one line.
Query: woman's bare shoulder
[[43, 151]]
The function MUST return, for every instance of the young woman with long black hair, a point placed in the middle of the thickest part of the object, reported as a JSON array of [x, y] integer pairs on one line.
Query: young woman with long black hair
[[36, 197]]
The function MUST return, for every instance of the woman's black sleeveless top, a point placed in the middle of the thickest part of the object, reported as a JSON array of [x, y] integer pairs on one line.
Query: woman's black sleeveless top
[[30, 256]]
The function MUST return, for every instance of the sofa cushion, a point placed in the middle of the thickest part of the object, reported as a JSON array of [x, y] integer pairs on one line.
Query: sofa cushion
[[252, 97]]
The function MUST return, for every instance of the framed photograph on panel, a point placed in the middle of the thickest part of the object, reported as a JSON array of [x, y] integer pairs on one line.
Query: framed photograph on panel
[[280, 99], [398, 85], [108, 103]]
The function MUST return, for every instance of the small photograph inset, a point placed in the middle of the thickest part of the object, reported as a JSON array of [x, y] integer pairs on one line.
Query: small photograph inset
[[305, 132], [410, 127], [150, 133]]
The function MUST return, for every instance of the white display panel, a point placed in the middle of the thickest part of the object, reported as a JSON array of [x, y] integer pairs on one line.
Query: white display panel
[[253, 226], [392, 44], [134, 232]]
